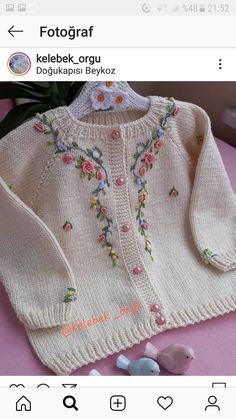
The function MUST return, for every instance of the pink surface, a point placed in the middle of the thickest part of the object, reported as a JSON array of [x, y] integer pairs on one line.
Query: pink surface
[[214, 341]]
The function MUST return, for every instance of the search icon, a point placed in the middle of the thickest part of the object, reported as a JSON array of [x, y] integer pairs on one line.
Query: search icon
[[71, 404]]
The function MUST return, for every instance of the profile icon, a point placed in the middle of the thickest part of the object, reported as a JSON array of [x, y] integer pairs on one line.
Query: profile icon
[[19, 63], [212, 400]]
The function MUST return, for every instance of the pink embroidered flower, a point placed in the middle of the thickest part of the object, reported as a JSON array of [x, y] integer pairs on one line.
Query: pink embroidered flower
[[101, 238], [68, 158], [173, 193], [149, 158], [99, 175], [87, 167], [67, 226], [104, 210], [177, 111], [142, 171], [159, 144], [141, 199], [145, 226], [200, 139], [39, 126]]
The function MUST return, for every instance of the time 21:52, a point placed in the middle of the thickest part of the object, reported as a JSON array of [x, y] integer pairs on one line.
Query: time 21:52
[[218, 8]]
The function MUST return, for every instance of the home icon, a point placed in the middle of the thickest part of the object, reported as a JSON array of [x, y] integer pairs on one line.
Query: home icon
[[23, 404]]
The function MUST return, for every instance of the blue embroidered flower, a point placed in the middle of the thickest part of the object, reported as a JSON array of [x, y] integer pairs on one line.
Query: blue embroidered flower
[[96, 153], [61, 147], [101, 185], [160, 132], [139, 181]]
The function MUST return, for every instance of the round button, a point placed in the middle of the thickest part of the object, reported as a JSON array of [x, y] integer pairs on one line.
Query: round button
[[155, 308], [137, 270], [115, 135], [120, 181], [160, 320], [125, 228]]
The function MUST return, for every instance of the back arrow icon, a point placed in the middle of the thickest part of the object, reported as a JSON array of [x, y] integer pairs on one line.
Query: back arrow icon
[[11, 31]]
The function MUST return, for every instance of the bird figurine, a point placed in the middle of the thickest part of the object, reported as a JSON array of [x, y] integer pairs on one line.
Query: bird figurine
[[94, 372], [174, 358], [141, 366]]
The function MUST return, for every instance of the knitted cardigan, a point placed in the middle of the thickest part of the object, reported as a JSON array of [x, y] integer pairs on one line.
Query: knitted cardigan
[[114, 228]]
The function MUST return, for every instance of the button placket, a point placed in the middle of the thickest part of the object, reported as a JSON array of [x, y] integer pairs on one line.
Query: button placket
[[130, 250]]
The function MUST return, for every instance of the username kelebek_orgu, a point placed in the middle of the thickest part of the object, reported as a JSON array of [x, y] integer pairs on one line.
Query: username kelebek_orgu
[[68, 58]]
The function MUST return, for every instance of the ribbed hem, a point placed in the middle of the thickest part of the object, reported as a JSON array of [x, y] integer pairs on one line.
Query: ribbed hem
[[66, 363], [225, 262], [56, 315]]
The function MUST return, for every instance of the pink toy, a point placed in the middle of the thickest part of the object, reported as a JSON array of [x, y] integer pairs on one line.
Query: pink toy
[[174, 358]]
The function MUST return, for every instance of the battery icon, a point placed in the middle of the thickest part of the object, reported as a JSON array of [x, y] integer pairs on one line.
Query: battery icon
[[202, 8]]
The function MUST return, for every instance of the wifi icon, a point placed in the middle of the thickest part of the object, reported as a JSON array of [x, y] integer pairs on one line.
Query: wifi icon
[[176, 9]]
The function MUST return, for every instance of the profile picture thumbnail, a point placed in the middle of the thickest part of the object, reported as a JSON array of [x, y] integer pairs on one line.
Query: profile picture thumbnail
[[19, 64]]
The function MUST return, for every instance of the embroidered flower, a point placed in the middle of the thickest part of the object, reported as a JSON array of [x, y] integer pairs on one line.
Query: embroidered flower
[[67, 226], [142, 198], [139, 181], [99, 175], [101, 185], [90, 165], [177, 111], [142, 171], [104, 210], [207, 256], [144, 224], [94, 202], [146, 155], [68, 158], [61, 147], [39, 126], [159, 144], [149, 158], [71, 296], [200, 139], [87, 167], [96, 154], [173, 193], [101, 238]]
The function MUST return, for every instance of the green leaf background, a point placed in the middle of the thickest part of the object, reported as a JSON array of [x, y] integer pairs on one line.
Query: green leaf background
[[42, 95]]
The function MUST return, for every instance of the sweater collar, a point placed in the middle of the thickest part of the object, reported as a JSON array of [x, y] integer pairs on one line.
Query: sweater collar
[[100, 125]]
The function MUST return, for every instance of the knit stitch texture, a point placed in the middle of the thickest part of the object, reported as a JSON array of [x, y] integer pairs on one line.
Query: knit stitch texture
[[114, 228]]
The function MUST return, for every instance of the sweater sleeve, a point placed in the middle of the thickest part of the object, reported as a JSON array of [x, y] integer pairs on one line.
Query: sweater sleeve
[[33, 267], [213, 202]]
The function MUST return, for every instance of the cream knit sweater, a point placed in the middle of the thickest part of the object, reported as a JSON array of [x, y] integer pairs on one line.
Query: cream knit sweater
[[114, 228]]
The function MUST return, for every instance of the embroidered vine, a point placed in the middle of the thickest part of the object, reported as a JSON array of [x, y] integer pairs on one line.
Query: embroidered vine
[[90, 165], [71, 295], [144, 158], [207, 256]]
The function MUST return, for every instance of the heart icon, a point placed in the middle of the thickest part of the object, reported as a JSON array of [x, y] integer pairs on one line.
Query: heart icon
[[165, 402]]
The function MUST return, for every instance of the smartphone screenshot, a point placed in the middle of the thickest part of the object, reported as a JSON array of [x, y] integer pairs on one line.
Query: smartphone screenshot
[[117, 209]]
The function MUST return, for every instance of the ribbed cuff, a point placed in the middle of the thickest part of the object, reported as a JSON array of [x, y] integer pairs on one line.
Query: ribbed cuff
[[50, 317], [226, 261]]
